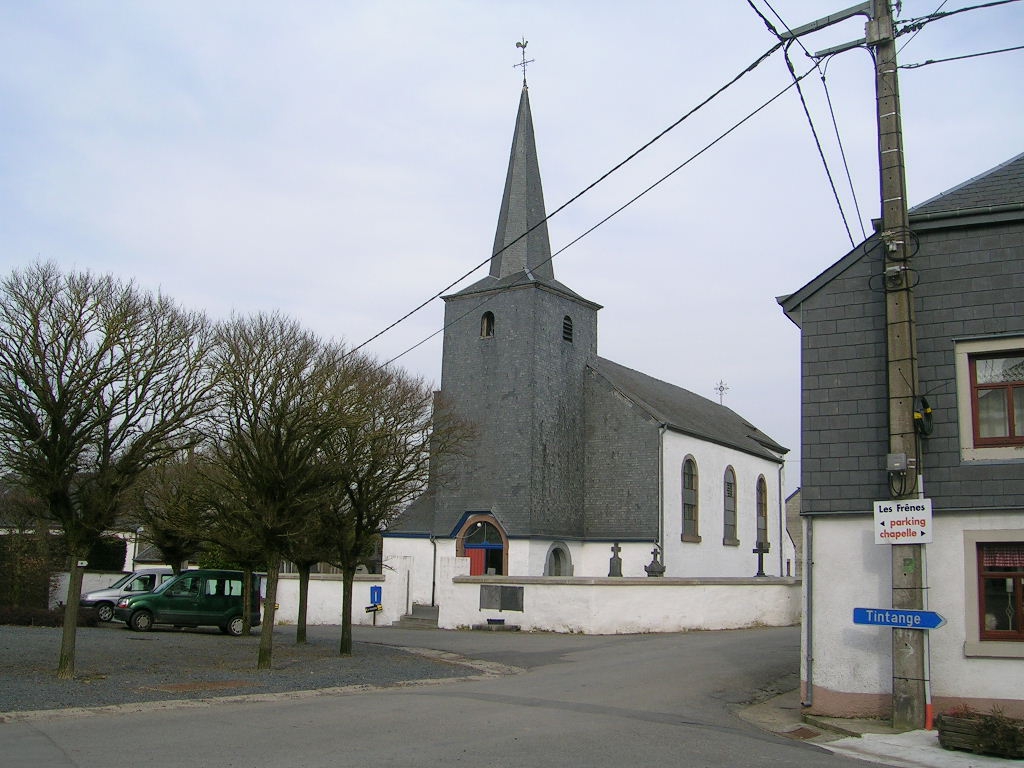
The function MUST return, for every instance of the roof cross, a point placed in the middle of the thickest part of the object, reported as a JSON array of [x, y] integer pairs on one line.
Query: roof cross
[[522, 45]]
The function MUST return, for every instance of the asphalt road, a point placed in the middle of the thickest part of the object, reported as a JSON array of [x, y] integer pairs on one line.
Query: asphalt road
[[556, 700]]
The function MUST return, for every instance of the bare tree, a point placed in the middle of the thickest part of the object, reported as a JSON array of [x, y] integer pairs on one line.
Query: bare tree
[[273, 423], [98, 381], [394, 428], [171, 504]]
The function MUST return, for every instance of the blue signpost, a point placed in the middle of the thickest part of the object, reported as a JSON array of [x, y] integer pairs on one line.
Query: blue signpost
[[895, 617]]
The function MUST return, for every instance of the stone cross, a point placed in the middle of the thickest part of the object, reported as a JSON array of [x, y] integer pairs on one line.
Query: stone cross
[[656, 568], [615, 563], [761, 550]]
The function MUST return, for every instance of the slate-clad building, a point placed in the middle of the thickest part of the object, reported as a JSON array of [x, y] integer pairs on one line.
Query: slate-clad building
[[968, 267], [575, 454]]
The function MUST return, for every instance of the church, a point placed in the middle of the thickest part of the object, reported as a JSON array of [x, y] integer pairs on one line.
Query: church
[[580, 467]]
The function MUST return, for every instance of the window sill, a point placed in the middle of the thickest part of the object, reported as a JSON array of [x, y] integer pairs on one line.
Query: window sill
[[994, 649], [993, 454], [690, 539], [730, 542]]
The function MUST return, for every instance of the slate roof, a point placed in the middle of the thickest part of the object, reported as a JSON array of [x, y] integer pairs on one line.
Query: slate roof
[[994, 196], [999, 186], [688, 413], [491, 283], [522, 250]]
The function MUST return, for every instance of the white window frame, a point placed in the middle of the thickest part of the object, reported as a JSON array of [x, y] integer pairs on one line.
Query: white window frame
[[963, 350]]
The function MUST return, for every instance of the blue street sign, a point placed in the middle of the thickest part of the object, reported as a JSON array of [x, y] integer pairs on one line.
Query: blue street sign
[[375, 595], [895, 617]]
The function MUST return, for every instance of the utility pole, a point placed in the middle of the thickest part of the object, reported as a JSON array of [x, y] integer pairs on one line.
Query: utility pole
[[903, 462], [909, 664]]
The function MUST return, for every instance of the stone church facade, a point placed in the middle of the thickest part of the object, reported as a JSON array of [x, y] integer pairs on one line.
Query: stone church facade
[[580, 467]]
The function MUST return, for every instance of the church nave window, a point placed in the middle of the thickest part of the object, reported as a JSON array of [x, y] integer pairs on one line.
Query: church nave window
[[729, 505], [487, 325], [691, 519], [762, 511]]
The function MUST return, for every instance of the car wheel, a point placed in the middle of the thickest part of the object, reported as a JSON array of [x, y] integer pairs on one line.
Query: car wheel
[[141, 621], [234, 627], [105, 612]]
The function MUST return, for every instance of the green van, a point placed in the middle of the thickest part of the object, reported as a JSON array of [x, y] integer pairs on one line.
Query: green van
[[199, 598]]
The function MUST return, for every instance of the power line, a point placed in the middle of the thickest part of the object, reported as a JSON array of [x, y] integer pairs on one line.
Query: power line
[[810, 121], [958, 58], [913, 24], [616, 212], [750, 68]]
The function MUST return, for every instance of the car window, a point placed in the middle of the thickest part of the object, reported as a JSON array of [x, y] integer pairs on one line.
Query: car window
[[186, 585], [223, 586], [120, 582], [164, 585], [142, 583]]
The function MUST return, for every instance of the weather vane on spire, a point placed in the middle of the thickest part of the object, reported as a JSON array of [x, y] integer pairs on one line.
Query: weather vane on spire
[[522, 44]]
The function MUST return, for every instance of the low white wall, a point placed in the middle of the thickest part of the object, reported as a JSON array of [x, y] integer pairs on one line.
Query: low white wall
[[622, 605], [90, 581], [323, 602]]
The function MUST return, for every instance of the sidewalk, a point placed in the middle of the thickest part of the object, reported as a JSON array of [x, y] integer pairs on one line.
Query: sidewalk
[[872, 740]]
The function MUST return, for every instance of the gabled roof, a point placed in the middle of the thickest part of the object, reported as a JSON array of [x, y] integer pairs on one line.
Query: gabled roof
[[688, 413], [997, 187], [994, 196]]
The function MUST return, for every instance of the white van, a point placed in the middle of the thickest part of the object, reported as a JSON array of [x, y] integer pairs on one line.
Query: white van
[[142, 580]]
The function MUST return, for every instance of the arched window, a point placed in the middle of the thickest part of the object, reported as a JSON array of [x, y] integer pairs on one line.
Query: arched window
[[487, 325], [691, 527], [762, 510], [729, 508], [567, 328]]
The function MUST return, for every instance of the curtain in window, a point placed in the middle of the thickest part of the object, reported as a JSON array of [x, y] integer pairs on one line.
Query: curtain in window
[[1002, 556]]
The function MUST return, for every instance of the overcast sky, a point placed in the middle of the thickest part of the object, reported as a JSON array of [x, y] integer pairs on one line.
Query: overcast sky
[[344, 161]]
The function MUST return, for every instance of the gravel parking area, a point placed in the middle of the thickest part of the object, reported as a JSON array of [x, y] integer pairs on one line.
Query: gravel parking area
[[117, 666]]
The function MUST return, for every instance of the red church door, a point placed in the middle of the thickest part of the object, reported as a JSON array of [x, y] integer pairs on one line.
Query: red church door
[[477, 561]]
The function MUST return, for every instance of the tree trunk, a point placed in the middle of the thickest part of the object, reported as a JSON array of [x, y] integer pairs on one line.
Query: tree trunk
[[300, 623], [348, 576], [247, 572], [269, 608], [66, 665]]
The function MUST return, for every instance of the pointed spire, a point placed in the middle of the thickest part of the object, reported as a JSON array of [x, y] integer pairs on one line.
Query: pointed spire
[[522, 207]]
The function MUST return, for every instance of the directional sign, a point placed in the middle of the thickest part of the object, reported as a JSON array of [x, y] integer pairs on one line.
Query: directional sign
[[903, 521], [895, 617]]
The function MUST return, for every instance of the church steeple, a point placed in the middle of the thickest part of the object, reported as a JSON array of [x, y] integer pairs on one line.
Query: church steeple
[[522, 207]]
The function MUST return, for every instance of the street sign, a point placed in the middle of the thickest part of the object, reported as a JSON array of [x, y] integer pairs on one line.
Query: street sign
[[895, 617], [903, 521], [375, 608], [376, 594]]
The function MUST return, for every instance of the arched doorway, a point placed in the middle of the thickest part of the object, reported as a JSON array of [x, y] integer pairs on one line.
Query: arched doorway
[[483, 541]]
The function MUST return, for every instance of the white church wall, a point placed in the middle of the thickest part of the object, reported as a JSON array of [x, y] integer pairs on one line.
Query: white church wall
[[595, 558], [409, 562], [588, 558], [710, 557]]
